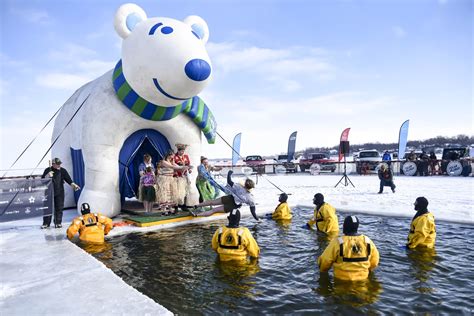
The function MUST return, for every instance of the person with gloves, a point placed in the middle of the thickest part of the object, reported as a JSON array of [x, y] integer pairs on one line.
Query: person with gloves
[[92, 227], [324, 217], [59, 176], [422, 228], [237, 194], [352, 255], [234, 243]]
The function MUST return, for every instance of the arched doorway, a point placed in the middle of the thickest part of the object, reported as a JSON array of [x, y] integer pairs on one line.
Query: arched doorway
[[131, 155]]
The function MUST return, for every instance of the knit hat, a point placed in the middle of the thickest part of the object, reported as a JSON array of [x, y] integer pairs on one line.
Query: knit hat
[[421, 204], [283, 198], [234, 219], [318, 199], [351, 224]]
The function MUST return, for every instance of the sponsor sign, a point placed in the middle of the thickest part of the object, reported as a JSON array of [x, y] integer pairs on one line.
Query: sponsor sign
[[454, 168], [409, 168], [24, 198]]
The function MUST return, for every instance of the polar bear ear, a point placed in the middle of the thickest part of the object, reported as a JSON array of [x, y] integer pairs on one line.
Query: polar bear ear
[[127, 17], [198, 26]]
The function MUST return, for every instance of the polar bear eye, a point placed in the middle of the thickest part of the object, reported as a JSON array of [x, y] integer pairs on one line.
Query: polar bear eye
[[166, 30]]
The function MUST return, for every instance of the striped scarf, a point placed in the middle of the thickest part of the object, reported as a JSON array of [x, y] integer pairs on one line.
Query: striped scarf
[[194, 107]]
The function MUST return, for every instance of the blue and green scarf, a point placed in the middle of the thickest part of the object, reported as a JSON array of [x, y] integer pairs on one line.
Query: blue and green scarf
[[194, 107]]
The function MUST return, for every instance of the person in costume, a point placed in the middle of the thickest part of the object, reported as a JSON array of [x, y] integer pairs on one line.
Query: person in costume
[[167, 184], [422, 227], [92, 227], [283, 210], [182, 160], [352, 255], [324, 216], [58, 175], [237, 194], [234, 243], [205, 183]]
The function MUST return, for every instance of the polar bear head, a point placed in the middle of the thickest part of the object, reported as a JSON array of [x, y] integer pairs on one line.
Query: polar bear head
[[164, 60]]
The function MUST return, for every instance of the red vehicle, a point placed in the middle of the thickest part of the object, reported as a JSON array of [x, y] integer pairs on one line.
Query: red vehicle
[[322, 159], [256, 162]]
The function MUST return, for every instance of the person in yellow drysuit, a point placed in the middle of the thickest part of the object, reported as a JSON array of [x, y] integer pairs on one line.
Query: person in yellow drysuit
[[91, 226], [324, 217], [422, 228], [352, 255], [282, 211], [234, 243]]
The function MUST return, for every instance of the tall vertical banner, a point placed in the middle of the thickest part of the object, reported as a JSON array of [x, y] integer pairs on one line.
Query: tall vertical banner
[[24, 198], [344, 138], [291, 146], [402, 139], [236, 149]]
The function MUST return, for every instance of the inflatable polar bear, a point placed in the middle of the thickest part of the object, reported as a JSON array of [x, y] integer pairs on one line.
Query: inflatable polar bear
[[150, 97]]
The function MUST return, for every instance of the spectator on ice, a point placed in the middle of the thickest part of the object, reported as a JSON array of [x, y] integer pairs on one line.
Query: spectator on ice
[[386, 178]]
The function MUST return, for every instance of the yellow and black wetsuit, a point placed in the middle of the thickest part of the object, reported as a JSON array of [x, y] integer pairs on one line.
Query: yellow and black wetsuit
[[325, 219], [282, 211], [91, 227], [352, 257], [422, 231], [234, 244]]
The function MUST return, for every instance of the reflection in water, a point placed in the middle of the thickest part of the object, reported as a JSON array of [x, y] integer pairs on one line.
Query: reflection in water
[[353, 293], [236, 275], [422, 260]]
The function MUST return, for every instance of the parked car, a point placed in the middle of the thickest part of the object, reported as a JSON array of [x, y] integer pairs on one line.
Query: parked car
[[454, 159], [322, 159], [367, 160], [256, 162], [289, 166]]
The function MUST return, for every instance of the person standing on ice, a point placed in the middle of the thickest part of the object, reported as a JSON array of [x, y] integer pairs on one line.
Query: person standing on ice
[[352, 255], [324, 217], [234, 243], [386, 178], [237, 194], [59, 176], [283, 210], [387, 158], [91, 226], [422, 227]]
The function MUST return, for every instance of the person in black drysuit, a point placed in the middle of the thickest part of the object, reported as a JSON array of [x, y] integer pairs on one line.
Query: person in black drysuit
[[59, 176], [386, 178], [424, 163]]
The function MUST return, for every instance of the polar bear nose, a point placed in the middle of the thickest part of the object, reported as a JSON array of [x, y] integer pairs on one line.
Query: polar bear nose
[[197, 69]]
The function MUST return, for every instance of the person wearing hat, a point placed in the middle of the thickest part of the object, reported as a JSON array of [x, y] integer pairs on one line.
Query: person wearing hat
[[324, 216], [352, 255], [237, 194], [386, 178], [422, 227], [283, 210], [91, 226], [234, 243], [182, 160], [59, 176]]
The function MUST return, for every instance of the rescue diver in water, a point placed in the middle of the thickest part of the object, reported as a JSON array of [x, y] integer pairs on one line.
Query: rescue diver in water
[[282, 211], [422, 227], [91, 226], [324, 216], [234, 243], [352, 255]]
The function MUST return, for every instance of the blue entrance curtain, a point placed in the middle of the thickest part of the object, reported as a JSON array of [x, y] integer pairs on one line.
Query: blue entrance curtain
[[77, 170], [131, 155]]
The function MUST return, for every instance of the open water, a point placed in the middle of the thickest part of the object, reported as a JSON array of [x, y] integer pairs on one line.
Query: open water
[[178, 269]]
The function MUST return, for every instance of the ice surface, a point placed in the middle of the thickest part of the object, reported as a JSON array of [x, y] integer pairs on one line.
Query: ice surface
[[42, 273]]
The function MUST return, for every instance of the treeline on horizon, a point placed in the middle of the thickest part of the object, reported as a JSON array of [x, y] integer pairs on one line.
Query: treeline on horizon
[[436, 142]]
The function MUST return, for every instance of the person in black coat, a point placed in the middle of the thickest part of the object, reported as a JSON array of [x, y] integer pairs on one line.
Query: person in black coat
[[386, 178], [59, 176]]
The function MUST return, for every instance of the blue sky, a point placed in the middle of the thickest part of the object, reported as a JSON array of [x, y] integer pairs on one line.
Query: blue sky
[[315, 67]]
